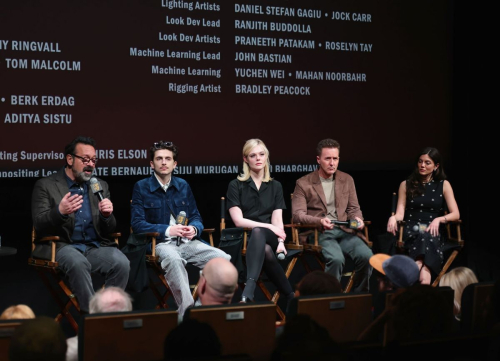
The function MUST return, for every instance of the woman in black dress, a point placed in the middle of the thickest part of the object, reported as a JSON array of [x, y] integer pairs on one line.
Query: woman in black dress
[[255, 201], [421, 202]]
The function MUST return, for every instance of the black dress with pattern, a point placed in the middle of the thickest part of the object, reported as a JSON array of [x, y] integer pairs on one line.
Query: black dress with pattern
[[419, 213]]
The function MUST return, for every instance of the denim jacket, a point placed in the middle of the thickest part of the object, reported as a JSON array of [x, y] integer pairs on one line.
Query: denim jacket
[[150, 206]]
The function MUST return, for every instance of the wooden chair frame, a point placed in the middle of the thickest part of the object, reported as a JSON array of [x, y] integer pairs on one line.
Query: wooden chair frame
[[455, 239], [288, 270], [49, 269], [315, 249]]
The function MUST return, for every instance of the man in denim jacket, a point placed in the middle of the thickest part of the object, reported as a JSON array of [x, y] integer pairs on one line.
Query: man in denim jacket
[[156, 203]]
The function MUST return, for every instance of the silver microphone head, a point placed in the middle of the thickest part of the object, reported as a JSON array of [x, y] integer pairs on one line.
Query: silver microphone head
[[95, 185], [281, 256]]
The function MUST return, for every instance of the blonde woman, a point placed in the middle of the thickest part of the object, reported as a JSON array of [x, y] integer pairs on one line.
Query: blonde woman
[[458, 278], [255, 201]]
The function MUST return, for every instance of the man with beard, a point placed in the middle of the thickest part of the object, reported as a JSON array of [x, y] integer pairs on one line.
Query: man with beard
[[63, 205]]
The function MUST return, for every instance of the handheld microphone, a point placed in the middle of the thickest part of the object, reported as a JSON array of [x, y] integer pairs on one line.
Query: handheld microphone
[[96, 188], [351, 224], [181, 219]]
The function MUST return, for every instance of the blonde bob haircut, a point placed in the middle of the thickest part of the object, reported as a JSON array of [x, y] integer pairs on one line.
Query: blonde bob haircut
[[247, 148], [457, 279]]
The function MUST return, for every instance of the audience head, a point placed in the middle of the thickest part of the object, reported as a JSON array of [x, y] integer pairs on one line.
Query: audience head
[[17, 312], [218, 282], [110, 299], [163, 145], [252, 147], [38, 339], [401, 271], [318, 283], [420, 311], [192, 340], [304, 339], [458, 278]]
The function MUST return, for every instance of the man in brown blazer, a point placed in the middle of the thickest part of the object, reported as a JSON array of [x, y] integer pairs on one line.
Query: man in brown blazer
[[328, 195]]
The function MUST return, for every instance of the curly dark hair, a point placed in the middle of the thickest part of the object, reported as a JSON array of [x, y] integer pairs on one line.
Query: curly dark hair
[[163, 145]]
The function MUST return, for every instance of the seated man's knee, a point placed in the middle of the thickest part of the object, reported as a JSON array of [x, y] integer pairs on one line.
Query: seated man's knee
[[170, 263], [122, 264], [335, 259], [76, 265]]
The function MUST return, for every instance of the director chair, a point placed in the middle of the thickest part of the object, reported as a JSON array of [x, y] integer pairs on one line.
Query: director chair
[[453, 241], [315, 249], [49, 269], [293, 252]]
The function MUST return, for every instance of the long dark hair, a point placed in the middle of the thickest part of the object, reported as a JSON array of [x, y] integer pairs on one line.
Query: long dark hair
[[414, 186]]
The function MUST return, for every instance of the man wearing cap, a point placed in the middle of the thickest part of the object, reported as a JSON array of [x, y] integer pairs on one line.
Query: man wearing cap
[[401, 271]]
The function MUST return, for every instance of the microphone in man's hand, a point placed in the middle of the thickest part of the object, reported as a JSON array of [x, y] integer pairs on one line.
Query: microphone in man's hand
[[352, 223], [96, 188], [182, 220]]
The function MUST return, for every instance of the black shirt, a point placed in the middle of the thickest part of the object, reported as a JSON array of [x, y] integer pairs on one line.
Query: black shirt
[[255, 204]]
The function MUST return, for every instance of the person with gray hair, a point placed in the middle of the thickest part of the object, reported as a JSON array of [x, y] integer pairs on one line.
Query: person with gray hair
[[218, 282], [110, 299]]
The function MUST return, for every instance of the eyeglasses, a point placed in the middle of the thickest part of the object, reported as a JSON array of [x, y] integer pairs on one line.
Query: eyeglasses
[[161, 143], [86, 160]]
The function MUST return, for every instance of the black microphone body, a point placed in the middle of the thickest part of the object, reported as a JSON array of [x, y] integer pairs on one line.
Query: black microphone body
[[181, 219], [352, 223], [96, 188]]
